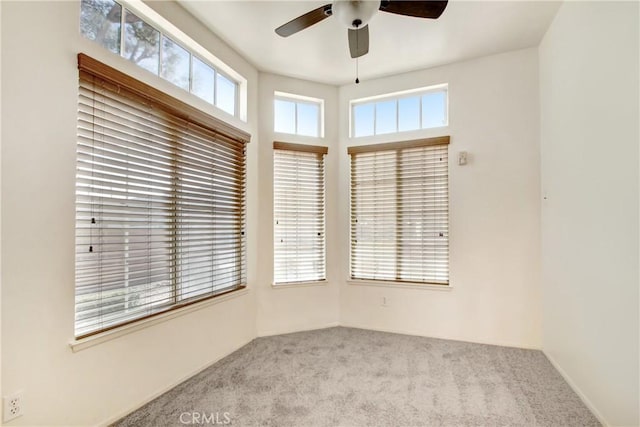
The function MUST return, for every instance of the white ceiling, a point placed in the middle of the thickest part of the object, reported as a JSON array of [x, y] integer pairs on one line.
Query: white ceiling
[[466, 29]]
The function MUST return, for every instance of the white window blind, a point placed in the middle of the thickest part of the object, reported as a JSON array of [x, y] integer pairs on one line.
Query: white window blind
[[160, 211], [400, 211], [299, 221]]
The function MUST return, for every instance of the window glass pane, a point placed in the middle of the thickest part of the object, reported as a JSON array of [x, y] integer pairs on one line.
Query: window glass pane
[[386, 117], [284, 116], [363, 120], [409, 114], [225, 94], [175, 63], [100, 22], [141, 43], [203, 80], [308, 117], [434, 109]]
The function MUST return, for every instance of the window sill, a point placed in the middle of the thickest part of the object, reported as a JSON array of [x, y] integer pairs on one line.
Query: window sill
[[406, 285], [299, 284], [90, 341]]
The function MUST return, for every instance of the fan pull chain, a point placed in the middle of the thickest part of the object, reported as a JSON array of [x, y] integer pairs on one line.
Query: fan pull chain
[[358, 50]]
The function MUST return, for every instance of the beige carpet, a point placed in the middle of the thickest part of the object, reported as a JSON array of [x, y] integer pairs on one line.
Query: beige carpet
[[353, 377]]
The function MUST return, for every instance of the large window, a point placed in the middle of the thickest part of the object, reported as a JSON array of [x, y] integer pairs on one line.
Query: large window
[[160, 214], [121, 31], [298, 200], [297, 115], [400, 112], [400, 211]]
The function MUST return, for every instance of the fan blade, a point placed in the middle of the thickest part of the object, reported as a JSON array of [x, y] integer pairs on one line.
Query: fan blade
[[304, 21], [419, 9], [359, 41]]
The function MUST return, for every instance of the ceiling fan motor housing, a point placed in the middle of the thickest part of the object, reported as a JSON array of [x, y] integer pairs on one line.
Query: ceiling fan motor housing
[[354, 13]]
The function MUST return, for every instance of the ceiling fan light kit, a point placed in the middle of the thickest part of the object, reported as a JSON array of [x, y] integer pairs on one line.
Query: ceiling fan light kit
[[354, 14]]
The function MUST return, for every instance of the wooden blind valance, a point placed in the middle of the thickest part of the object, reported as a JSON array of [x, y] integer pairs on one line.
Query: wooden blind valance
[[425, 142], [304, 148]]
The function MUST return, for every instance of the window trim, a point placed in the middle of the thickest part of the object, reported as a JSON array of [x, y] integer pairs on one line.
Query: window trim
[[81, 343], [396, 145], [223, 131], [300, 284], [178, 37], [321, 151], [399, 284]]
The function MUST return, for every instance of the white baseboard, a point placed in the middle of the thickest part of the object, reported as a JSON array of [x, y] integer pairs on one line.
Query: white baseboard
[[449, 338], [270, 333], [577, 390], [151, 397]]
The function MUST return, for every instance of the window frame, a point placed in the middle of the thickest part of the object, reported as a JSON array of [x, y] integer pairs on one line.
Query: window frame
[[167, 30], [397, 97], [189, 114], [300, 99], [442, 141], [319, 151]]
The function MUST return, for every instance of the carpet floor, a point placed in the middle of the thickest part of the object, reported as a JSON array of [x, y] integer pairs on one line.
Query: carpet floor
[[353, 377]]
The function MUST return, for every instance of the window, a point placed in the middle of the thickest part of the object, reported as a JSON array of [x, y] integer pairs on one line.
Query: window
[[400, 211], [160, 212], [400, 112], [297, 115], [123, 32], [298, 193]]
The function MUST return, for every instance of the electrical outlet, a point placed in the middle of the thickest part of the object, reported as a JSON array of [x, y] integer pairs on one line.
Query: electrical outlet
[[13, 406], [462, 158]]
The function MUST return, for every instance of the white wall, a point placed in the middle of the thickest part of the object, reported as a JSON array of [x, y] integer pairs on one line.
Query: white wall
[[1, 394], [293, 308], [589, 137], [494, 208], [40, 41]]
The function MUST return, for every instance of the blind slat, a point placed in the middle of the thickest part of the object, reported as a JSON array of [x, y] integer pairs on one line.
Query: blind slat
[[299, 220], [160, 209], [400, 211]]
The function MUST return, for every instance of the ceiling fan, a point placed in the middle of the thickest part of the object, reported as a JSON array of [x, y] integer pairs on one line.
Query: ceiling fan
[[356, 14]]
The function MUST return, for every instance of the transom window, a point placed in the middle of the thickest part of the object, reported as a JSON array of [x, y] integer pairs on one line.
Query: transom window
[[123, 32], [160, 202], [400, 211], [400, 112], [297, 115]]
